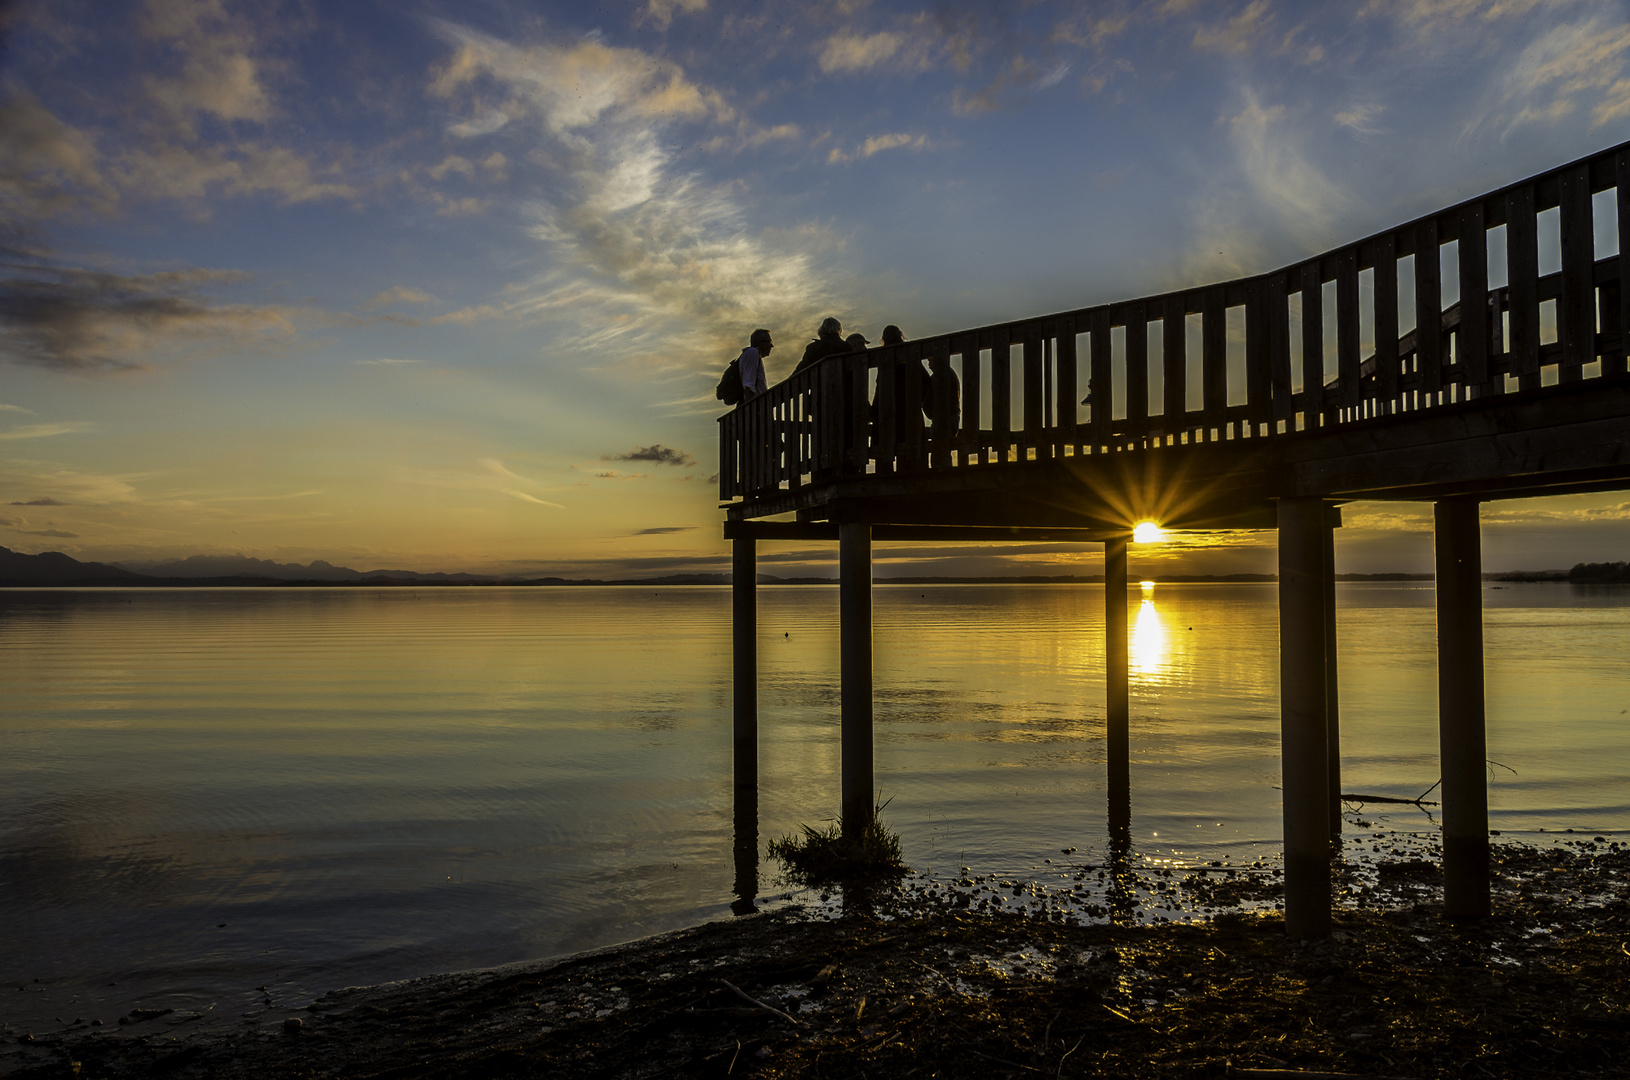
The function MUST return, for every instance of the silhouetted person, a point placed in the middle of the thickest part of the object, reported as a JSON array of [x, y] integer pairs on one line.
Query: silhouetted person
[[828, 342], [751, 362], [856, 342], [943, 402], [910, 398]]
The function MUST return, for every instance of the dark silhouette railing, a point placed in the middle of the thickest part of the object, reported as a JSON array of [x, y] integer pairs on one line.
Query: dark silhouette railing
[[1220, 362]]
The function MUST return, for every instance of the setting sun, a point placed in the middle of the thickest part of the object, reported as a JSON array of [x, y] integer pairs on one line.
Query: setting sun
[[1147, 532]]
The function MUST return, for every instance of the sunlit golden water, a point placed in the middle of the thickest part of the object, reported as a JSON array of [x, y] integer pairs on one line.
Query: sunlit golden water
[[366, 785]]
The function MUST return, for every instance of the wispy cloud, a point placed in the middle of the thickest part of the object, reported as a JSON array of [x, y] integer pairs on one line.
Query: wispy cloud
[[82, 319], [1360, 118], [876, 144], [399, 294], [45, 431], [1273, 192], [645, 254], [44, 500], [859, 52], [664, 530], [656, 453], [1570, 67], [72, 485], [524, 497], [662, 12], [56, 534]]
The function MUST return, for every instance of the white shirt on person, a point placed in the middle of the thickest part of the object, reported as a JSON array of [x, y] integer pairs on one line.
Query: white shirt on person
[[753, 381]]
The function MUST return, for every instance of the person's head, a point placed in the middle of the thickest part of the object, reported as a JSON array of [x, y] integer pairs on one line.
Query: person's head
[[761, 341], [831, 327], [892, 335], [856, 341], [938, 362]]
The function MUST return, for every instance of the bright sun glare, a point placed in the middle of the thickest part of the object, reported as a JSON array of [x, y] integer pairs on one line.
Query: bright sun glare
[[1147, 532]]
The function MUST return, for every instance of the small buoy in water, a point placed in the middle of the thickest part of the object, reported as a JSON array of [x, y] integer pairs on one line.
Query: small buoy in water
[[787, 634], [292, 1025]]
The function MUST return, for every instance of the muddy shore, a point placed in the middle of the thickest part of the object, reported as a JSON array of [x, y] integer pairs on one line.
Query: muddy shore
[[942, 979]]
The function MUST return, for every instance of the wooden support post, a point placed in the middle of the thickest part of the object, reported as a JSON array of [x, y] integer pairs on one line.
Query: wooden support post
[[744, 634], [1118, 715], [855, 617], [1461, 740], [1332, 704], [1302, 721], [745, 850]]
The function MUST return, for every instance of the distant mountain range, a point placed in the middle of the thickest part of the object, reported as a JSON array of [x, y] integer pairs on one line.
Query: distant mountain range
[[241, 566], [54, 569]]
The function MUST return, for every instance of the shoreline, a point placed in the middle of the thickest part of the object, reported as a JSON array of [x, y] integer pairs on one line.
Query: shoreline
[[921, 978]]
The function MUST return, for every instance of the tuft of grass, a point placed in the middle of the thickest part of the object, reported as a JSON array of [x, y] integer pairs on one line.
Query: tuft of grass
[[826, 856]]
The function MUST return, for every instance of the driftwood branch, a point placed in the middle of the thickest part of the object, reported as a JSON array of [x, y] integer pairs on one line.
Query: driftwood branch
[[942, 978], [1352, 797], [1303, 1074], [734, 989]]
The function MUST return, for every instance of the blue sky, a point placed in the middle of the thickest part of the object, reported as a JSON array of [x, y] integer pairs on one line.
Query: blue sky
[[447, 287]]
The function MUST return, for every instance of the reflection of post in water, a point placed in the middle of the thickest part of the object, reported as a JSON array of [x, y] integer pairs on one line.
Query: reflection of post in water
[[1118, 712], [746, 850], [1123, 883]]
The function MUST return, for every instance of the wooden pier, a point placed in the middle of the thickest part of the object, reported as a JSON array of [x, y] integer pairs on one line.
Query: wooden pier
[[1198, 410]]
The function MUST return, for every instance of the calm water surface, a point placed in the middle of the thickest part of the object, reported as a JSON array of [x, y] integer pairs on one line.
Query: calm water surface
[[206, 792]]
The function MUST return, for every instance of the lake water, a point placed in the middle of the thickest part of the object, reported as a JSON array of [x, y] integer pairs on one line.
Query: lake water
[[204, 793]]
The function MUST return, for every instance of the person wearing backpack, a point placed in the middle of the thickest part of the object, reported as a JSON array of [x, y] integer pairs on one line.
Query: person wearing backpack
[[744, 376]]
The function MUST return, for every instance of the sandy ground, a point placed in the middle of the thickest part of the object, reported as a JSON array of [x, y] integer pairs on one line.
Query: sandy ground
[[942, 978]]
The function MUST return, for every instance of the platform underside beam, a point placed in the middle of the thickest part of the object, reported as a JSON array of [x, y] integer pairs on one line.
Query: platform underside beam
[[828, 530]]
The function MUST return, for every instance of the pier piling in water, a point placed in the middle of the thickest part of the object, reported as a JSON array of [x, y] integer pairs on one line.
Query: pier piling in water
[[1118, 712], [1462, 747], [855, 631], [1303, 700], [744, 656], [1332, 701]]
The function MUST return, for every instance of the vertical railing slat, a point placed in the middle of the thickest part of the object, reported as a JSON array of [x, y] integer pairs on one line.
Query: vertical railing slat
[[939, 406], [1313, 343], [1386, 322], [1347, 335], [1034, 392], [1258, 381], [972, 400], [726, 444], [888, 439], [1137, 369], [1576, 308], [1068, 399], [1174, 364], [1279, 377], [857, 370], [1428, 307], [828, 405], [1101, 381], [1474, 304], [1001, 391], [1522, 274], [1214, 355]]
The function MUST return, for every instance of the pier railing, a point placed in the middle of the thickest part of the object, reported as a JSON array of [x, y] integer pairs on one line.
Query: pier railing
[[1510, 292]]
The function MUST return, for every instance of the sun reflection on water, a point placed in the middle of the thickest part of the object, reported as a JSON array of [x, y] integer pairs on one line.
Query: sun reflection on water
[[1147, 647]]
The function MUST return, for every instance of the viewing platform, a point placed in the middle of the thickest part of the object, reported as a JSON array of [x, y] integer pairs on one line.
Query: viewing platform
[[1473, 354]]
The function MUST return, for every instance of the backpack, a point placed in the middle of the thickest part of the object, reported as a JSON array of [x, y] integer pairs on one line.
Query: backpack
[[729, 389]]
